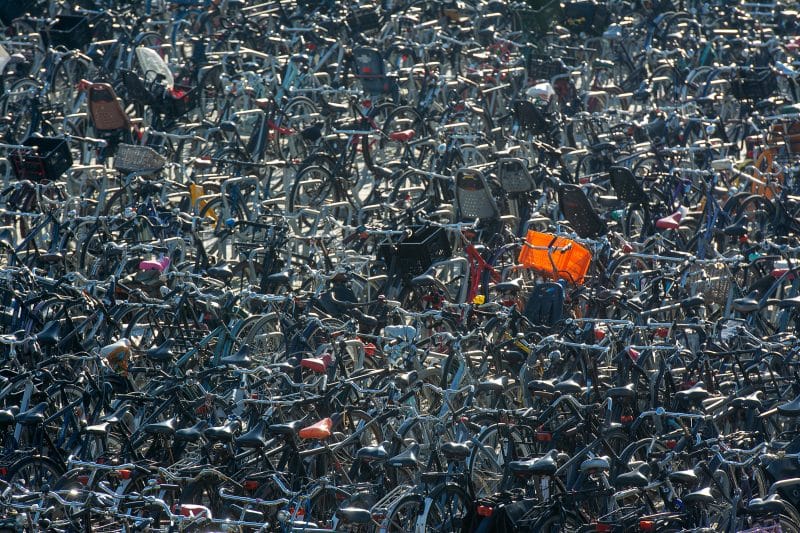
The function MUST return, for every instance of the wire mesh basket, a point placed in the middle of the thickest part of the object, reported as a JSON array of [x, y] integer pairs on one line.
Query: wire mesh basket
[[132, 158], [712, 282]]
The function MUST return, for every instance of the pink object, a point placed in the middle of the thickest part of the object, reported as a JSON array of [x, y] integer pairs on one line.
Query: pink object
[[159, 264], [671, 222]]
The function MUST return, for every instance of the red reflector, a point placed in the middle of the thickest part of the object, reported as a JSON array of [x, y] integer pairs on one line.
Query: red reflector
[[647, 525], [250, 484], [124, 473], [627, 248], [633, 354], [366, 70], [583, 180], [3, 471], [626, 419], [485, 510], [603, 528], [83, 480], [662, 332], [370, 349], [671, 443], [599, 334], [366, 103], [544, 436]]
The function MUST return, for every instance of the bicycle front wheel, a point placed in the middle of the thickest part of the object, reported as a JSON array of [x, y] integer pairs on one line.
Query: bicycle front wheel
[[449, 509]]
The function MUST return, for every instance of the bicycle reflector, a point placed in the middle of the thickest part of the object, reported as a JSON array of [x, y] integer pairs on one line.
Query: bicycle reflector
[[647, 525], [603, 528], [485, 510]]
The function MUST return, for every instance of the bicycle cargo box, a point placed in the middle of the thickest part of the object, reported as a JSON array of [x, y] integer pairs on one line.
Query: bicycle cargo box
[[47, 159], [419, 251], [70, 31], [569, 264], [12, 9], [585, 17]]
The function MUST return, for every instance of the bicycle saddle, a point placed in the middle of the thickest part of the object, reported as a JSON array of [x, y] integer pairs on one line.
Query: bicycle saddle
[[497, 385], [697, 393], [772, 505], [791, 409], [158, 265], [636, 478], [166, 427], [569, 386], [619, 393], [161, 353], [538, 466], [319, 365], [50, 258], [255, 437], [735, 230], [7, 416], [117, 415], [595, 463], [747, 304], [319, 431], [699, 497], [354, 515], [672, 221], [513, 286], [684, 477], [372, 453], [224, 432], [405, 379], [455, 451], [193, 433], [241, 358], [407, 458], [289, 428], [794, 301], [98, 429], [423, 280], [220, 271], [279, 278], [751, 401], [50, 334], [542, 385], [402, 136], [32, 416]]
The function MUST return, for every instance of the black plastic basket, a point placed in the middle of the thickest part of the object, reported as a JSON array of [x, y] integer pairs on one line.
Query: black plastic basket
[[585, 17], [47, 160], [420, 250], [363, 20], [12, 9], [545, 68], [754, 84], [70, 31]]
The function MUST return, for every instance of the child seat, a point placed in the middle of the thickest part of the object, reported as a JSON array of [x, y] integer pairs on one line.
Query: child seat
[[474, 197], [579, 212], [370, 70]]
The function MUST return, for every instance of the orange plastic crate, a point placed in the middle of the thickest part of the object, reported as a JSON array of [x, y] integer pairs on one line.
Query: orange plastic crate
[[571, 265]]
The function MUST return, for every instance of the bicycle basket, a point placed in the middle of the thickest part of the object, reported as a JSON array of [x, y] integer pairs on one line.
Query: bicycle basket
[[754, 84], [363, 20], [712, 282], [545, 67], [420, 250], [131, 158], [12, 9], [70, 31], [47, 159], [570, 265], [585, 17]]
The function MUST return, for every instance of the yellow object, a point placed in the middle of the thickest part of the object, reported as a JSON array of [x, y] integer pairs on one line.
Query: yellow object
[[570, 261], [479, 299], [196, 193]]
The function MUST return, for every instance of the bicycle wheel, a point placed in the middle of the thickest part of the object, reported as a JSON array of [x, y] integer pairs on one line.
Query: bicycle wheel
[[449, 508], [557, 522], [496, 445], [287, 131], [34, 473], [19, 105], [386, 151], [314, 188], [404, 515]]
